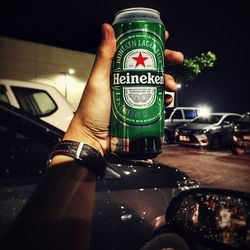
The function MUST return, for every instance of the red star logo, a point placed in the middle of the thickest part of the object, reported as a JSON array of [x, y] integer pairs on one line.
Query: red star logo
[[140, 60]]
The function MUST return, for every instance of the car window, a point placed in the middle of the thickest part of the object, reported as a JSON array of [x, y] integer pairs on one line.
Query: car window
[[3, 96], [45, 103], [168, 112], [232, 118], [34, 101], [190, 114], [177, 114]]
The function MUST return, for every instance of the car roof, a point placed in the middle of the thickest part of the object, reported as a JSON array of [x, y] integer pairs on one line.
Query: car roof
[[187, 108], [224, 113], [19, 83]]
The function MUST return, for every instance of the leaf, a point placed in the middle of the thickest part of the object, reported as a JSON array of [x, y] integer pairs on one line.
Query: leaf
[[192, 67]]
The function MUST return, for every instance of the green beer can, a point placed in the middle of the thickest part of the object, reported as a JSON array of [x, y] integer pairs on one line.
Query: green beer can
[[137, 84]]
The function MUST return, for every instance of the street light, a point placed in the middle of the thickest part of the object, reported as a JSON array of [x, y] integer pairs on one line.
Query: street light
[[176, 94], [178, 85], [71, 71], [66, 75]]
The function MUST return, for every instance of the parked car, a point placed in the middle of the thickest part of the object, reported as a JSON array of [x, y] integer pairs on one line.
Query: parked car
[[41, 100], [207, 131], [176, 117], [240, 136], [130, 203]]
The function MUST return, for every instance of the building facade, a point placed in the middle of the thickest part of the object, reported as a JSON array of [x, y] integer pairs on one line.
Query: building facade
[[66, 70]]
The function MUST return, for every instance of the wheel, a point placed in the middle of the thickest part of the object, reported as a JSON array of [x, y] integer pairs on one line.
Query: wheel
[[167, 137], [239, 150], [166, 241], [215, 142]]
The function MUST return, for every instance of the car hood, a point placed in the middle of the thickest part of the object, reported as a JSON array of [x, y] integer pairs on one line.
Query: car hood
[[174, 125], [197, 126], [146, 174]]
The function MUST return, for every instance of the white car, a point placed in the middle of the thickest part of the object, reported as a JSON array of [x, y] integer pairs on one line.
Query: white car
[[38, 99], [207, 131], [176, 117]]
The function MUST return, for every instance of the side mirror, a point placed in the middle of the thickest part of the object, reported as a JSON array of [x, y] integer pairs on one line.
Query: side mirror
[[213, 217], [226, 123]]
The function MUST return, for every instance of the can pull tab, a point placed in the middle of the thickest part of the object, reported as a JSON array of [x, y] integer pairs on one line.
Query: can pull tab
[[126, 217]]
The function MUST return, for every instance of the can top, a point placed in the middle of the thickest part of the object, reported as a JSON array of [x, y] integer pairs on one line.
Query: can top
[[137, 14]]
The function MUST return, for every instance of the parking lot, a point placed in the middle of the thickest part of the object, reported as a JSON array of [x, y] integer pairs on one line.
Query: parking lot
[[210, 168]]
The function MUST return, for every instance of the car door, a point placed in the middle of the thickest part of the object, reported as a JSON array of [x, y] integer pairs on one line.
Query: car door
[[24, 149], [103, 224], [176, 119]]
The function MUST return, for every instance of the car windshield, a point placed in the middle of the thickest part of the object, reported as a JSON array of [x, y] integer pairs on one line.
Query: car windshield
[[212, 119]]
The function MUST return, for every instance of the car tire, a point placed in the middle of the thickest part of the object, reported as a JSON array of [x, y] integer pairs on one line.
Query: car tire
[[167, 137], [239, 150], [215, 142], [166, 241]]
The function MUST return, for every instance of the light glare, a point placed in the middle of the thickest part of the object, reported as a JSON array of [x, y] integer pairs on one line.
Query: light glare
[[71, 71], [204, 111]]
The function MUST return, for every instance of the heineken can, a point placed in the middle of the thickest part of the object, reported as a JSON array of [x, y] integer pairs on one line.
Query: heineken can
[[137, 84]]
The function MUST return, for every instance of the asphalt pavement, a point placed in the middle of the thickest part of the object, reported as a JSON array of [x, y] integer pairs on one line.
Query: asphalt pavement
[[220, 169]]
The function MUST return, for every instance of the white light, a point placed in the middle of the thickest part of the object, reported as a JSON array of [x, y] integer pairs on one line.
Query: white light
[[204, 111], [178, 85], [71, 71]]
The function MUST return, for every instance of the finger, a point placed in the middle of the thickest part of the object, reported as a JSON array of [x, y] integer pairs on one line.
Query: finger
[[108, 43], [173, 57], [166, 35], [168, 100], [170, 84]]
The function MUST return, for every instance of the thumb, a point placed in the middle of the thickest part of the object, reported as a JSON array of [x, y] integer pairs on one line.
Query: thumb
[[101, 70], [108, 44]]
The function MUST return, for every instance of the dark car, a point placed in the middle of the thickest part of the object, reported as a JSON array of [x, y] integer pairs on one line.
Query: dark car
[[130, 203], [207, 131], [176, 117], [240, 136]]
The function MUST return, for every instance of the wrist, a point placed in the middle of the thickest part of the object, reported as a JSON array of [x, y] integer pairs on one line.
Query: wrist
[[59, 159], [68, 151], [75, 134]]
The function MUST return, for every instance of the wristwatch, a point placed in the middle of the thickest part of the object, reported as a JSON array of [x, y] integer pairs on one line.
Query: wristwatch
[[88, 156]]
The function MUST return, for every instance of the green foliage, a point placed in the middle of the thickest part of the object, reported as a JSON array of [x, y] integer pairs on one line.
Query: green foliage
[[198, 63], [192, 67]]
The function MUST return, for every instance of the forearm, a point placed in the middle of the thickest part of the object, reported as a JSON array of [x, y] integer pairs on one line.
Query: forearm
[[59, 213]]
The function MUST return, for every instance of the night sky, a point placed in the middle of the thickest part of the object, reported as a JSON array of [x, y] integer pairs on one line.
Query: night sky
[[194, 27]]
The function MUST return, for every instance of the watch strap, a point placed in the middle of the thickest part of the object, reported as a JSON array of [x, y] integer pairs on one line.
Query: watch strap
[[88, 156]]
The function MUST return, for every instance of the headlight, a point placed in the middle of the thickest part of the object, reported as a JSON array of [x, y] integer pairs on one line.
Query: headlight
[[235, 138], [176, 132], [235, 128]]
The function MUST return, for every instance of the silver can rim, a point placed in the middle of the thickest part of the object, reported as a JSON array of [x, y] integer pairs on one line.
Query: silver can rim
[[137, 9]]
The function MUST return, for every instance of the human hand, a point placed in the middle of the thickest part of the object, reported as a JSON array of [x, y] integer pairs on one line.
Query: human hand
[[92, 118]]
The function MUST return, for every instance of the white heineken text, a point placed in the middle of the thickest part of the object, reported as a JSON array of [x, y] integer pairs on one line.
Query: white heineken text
[[137, 79]]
